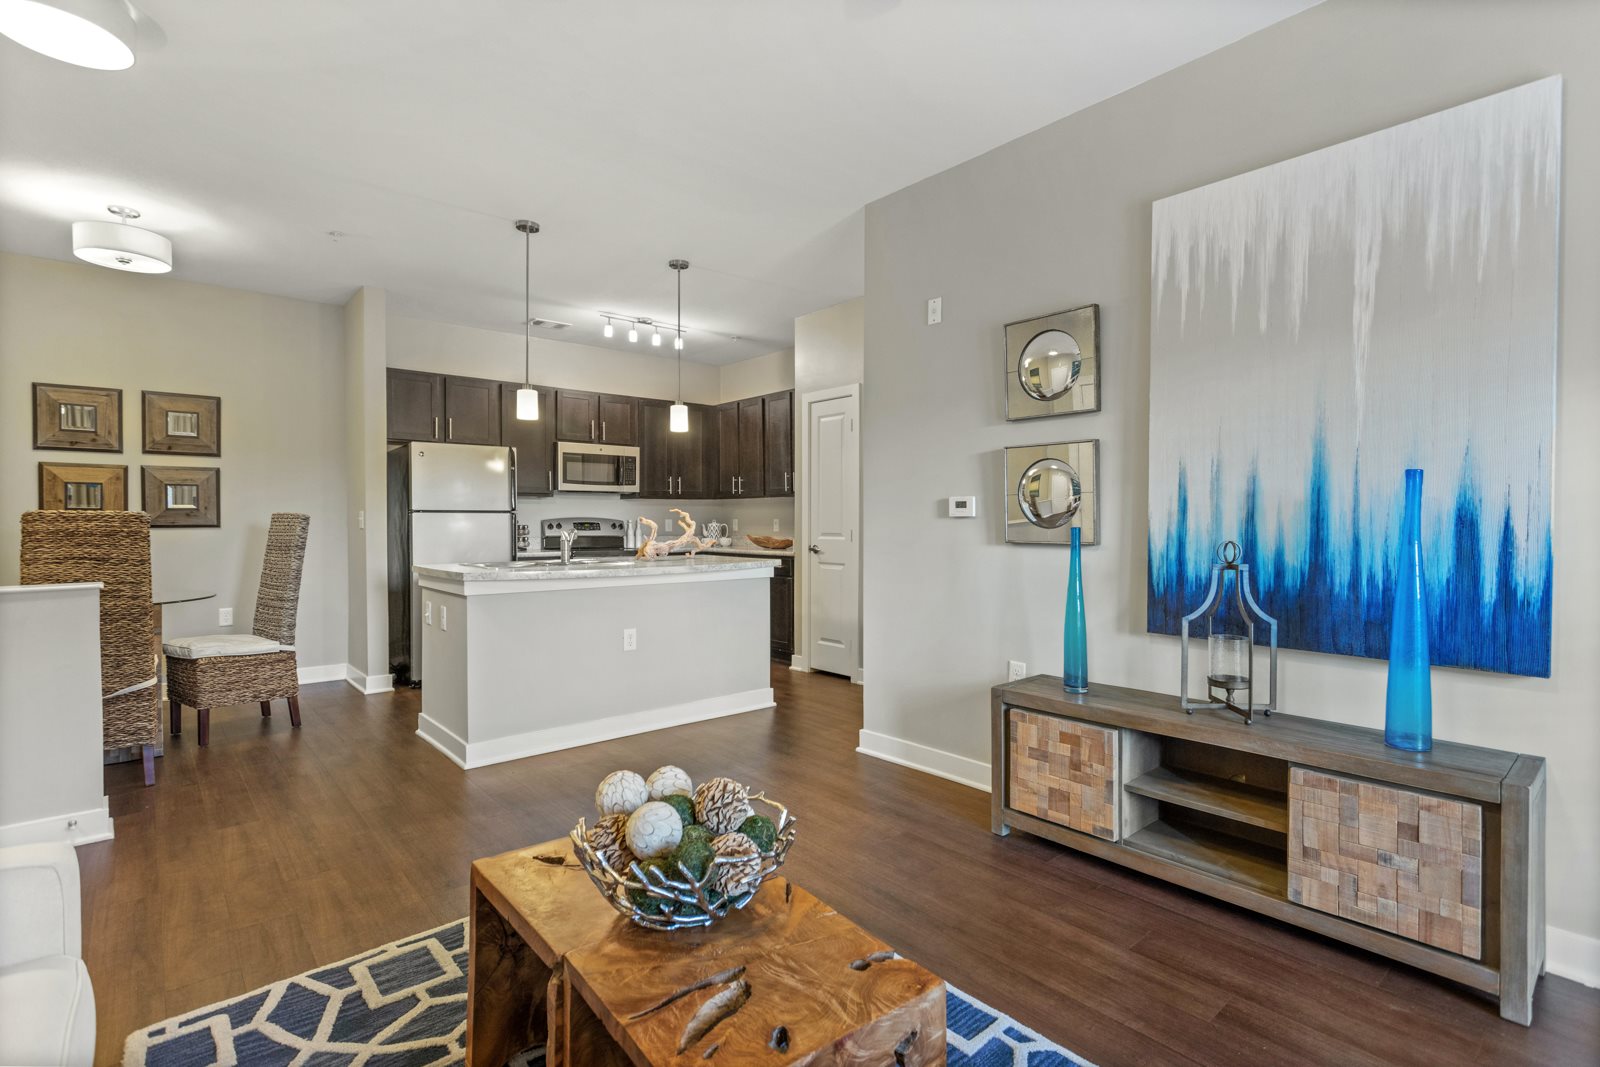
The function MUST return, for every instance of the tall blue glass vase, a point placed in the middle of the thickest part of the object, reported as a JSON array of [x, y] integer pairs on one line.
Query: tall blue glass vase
[[1408, 709], [1075, 633]]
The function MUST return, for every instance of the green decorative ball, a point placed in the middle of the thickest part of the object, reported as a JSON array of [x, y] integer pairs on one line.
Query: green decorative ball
[[693, 853], [685, 806], [761, 830], [645, 902], [695, 832]]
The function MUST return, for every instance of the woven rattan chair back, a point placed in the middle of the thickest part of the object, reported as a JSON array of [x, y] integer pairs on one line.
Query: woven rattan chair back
[[278, 599], [111, 547]]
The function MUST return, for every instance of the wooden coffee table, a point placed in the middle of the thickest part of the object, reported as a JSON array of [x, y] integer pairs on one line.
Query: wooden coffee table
[[786, 980]]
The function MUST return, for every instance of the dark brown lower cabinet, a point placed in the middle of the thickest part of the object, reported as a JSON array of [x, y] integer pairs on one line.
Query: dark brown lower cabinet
[[783, 610]]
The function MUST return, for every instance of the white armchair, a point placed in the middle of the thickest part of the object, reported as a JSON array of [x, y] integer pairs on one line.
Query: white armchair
[[46, 1002]]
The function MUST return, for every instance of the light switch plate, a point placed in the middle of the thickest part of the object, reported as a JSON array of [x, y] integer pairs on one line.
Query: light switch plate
[[630, 640], [224, 616], [963, 507], [936, 311]]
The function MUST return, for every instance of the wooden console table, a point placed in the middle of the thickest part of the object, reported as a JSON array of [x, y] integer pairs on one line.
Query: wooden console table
[[786, 980], [1434, 859]]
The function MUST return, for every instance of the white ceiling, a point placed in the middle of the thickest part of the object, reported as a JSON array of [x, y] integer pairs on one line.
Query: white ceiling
[[743, 135]]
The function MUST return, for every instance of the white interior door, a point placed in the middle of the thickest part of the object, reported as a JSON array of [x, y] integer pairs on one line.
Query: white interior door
[[833, 549]]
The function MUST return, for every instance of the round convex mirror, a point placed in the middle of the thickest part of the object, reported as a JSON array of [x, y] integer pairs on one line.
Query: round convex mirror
[[1049, 365], [1049, 494]]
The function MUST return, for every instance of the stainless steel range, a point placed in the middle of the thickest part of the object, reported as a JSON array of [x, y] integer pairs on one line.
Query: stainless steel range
[[591, 537]]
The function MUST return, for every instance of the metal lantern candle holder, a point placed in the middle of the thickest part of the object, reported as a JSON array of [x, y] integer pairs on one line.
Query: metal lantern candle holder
[[1230, 631]]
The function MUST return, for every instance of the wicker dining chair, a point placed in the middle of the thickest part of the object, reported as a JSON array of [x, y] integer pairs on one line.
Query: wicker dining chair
[[221, 669], [112, 548]]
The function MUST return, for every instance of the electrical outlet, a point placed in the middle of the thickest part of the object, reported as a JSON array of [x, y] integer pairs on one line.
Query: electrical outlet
[[735, 525], [936, 311], [775, 527], [630, 640], [361, 520], [224, 616], [427, 612], [1016, 670], [444, 617]]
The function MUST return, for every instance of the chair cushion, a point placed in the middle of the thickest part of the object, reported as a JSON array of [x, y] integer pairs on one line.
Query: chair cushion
[[47, 1013], [222, 645]]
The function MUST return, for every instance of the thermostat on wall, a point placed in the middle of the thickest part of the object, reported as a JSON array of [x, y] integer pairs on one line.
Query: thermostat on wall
[[963, 507]]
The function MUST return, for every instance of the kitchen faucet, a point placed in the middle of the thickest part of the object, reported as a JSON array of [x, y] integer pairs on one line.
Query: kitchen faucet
[[567, 537]]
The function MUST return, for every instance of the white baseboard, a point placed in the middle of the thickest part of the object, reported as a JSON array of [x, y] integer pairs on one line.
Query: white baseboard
[[328, 672], [71, 827], [1572, 955], [798, 663], [552, 739], [368, 683], [859, 676], [934, 761]]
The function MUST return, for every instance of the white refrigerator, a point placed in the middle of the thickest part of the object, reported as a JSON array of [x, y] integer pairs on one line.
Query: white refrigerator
[[447, 504]]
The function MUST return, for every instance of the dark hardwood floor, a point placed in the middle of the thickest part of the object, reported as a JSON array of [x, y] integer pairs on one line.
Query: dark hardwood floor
[[273, 851]]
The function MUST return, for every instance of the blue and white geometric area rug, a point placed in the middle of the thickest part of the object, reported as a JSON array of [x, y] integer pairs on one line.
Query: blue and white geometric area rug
[[405, 1005]]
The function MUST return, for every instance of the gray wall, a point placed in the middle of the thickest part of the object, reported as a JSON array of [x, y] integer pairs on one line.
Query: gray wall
[[1061, 217], [276, 363]]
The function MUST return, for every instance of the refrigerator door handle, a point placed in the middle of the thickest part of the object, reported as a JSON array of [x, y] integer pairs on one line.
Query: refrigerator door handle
[[514, 488]]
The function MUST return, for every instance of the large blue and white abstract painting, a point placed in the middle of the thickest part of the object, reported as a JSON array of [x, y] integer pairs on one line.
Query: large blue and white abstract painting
[[1320, 325]]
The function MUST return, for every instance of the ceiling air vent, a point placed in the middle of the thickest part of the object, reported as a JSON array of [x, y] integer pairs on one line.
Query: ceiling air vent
[[549, 324]]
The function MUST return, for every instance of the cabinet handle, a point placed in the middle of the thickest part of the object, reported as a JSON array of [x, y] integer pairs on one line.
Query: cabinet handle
[[436, 427], [550, 481], [785, 481], [450, 428], [602, 429], [591, 429]]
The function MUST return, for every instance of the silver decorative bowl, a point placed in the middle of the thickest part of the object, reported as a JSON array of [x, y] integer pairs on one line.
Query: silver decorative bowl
[[685, 902]]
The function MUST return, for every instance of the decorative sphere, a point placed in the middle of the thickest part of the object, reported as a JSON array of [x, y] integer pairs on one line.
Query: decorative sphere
[[669, 781], [643, 900], [654, 829], [695, 832], [738, 866], [620, 793], [683, 805], [762, 830], [609, 838], [694, 853], [722, 804]]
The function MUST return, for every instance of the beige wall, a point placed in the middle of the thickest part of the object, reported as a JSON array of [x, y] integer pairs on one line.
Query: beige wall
[[771, 373], [276, 363], [365, 348], [1062, 217]]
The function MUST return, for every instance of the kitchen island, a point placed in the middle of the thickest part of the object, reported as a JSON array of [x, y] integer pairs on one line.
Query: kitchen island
[[535, 656]]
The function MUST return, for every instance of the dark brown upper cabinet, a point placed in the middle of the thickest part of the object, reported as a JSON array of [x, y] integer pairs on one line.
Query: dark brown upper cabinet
[[752, 447], [778, 436], [676, 464], [415, 406], [534, 441], [471, 411], [728, 449], [597, 417]]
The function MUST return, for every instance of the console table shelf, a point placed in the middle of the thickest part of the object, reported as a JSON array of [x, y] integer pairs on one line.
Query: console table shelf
[[1433, 859], [1244, 803]]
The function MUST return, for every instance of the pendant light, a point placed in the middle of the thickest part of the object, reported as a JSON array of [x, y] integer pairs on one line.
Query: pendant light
[[608, 331], [97, 34], [120, 246], [527, 396], [678, 414], [633, 332]]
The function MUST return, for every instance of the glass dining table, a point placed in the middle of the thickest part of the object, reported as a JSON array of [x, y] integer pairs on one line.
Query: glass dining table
[[161, 596]]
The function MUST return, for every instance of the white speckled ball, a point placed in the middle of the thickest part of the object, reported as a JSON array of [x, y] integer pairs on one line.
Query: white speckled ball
[[620, 793], [669, 781], [654, 829], [721, 804]]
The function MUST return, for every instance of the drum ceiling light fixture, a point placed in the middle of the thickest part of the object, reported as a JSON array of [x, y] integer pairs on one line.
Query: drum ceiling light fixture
[[97, 34], [120, 246]]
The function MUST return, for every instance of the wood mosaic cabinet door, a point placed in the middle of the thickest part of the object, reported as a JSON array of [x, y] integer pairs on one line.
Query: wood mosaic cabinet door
[[1064, 772], [1408, 863]]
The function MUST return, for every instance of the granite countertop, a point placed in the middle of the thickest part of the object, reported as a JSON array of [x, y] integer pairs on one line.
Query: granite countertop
[[614, 567], [743, 547]]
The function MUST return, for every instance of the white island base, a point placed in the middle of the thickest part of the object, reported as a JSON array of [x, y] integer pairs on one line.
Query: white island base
[[520, 659]]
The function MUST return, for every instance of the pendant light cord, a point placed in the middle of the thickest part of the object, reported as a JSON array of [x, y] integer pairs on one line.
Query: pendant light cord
[[527, 310]]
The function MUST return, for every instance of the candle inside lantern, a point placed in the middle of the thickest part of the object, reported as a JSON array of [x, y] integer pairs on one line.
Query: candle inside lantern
[[1230, 661]]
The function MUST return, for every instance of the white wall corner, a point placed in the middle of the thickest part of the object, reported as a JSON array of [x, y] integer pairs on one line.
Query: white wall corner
[[937, 762], [327, 672], [71, 827], [1573, 955], [368, 684]]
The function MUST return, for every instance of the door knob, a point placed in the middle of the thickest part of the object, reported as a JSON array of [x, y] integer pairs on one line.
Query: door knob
[[815, 550]]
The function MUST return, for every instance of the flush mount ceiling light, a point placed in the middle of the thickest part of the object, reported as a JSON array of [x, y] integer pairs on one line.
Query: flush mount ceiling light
[[120, 246], [678, 414], [527, 396], [98, 34]]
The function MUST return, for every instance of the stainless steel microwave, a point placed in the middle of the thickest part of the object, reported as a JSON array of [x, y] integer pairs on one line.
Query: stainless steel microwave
[[596, 468]]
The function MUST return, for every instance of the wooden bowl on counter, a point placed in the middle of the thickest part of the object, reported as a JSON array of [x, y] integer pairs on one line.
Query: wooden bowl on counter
[[761, 541]]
